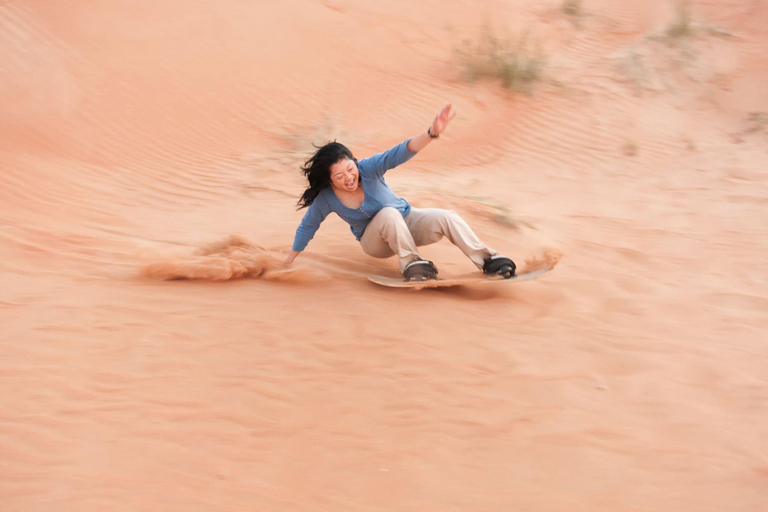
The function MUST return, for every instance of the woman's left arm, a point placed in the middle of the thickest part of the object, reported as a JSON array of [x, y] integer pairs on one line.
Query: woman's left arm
[[440, 123]]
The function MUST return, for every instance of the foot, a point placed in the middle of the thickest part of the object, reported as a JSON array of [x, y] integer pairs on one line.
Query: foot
[[420, 270], [500, 265]]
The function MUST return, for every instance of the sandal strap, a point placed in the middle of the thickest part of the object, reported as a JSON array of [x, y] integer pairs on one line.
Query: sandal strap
[[420, 268]]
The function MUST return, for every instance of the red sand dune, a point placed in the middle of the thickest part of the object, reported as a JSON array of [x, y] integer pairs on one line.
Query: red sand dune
[[155, 355]]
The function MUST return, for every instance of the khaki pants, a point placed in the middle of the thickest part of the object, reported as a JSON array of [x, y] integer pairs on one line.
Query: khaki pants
[[390, 233]]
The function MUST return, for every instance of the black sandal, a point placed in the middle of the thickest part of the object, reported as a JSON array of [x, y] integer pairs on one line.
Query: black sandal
[[500, 265], [420, 270]]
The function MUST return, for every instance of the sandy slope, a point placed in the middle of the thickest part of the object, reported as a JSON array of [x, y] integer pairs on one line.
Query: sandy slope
[[136, 139]]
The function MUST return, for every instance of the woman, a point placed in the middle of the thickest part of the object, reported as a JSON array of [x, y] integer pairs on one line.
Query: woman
[[383, 223]]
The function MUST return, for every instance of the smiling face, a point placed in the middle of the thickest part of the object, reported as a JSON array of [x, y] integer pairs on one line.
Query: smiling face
[[345, 176]]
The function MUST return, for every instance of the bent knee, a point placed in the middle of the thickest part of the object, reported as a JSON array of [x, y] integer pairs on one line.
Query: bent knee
[[446, 216], [389, 210], [389, 214]]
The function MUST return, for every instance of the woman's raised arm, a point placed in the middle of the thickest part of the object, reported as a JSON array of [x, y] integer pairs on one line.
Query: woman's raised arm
[[440, 123]]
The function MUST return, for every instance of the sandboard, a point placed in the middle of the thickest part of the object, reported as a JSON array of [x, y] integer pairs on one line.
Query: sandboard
[[469, 279]]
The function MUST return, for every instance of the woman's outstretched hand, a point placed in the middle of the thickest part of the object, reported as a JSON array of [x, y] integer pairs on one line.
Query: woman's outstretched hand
[[440, 123], [442, 119]]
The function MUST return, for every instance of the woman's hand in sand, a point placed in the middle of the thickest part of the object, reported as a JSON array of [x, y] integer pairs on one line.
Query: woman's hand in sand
[[291, 256], [442, 119]]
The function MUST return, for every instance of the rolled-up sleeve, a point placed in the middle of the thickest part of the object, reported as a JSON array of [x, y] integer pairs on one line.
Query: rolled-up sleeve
[[378, 164], [315, 215]]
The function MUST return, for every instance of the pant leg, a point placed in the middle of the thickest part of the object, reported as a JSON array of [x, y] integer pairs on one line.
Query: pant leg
[[428, 225], [387, 234]]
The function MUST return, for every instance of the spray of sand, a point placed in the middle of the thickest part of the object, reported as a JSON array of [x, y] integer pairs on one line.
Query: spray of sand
[[547, 257], [231, 258]]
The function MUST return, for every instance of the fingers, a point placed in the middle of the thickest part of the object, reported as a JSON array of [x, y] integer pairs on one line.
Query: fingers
[[447, 113], [444, 117], [448, 116]]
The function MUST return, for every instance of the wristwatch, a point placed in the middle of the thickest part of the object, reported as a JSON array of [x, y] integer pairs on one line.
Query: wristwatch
[[432, 135]]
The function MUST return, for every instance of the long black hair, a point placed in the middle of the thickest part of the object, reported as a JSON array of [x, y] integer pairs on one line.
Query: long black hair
[[317, 169]]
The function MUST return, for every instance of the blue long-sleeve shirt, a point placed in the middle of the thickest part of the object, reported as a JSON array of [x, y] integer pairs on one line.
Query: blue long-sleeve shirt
[[378, 195]]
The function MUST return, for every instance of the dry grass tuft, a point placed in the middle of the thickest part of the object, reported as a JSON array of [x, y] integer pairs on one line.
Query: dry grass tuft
[[517, 66], [630, 148], [682, 26], [572, 7]]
